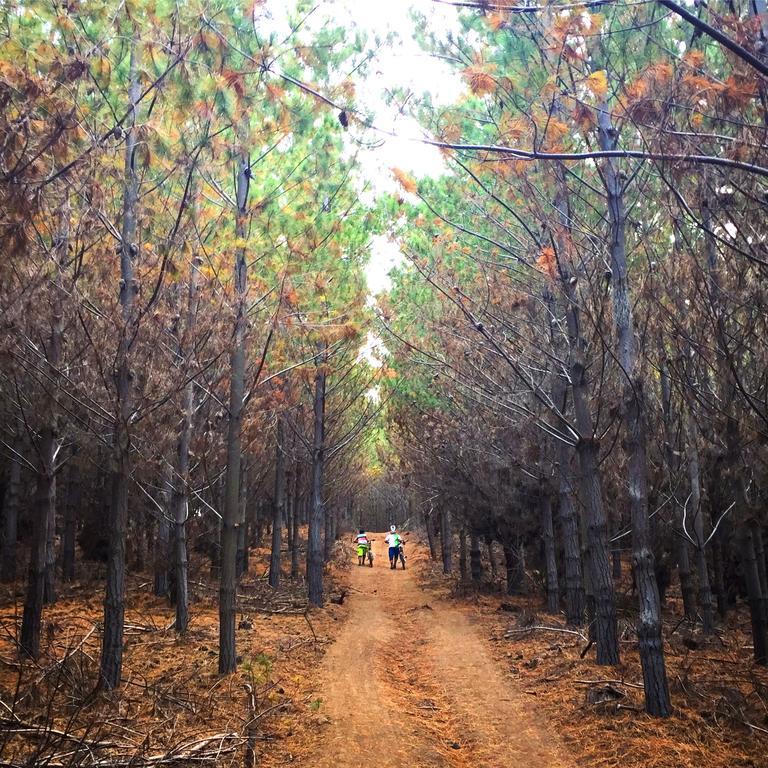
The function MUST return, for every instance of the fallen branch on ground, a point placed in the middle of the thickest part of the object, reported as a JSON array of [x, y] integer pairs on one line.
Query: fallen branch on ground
[[542, 628]]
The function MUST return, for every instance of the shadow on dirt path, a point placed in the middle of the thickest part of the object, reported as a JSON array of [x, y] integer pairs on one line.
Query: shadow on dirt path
[[410, 682]]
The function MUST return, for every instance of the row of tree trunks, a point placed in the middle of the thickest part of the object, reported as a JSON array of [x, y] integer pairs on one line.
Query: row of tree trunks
[[315, 551], [550, 553], [598, 580], [563, 470], [231, 515], [446, 540], [162, 542], [657, 701], [298, 505], [114, 601], [180, 496], [71, 516], [279, 506], [11, 517], [241, 556]]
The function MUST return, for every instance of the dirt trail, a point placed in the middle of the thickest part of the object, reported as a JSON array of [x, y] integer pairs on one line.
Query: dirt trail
[[410, 682]]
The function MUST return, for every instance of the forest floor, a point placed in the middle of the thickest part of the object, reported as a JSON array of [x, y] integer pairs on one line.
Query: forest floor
[[409, 670], [173, 707], [719, 696]]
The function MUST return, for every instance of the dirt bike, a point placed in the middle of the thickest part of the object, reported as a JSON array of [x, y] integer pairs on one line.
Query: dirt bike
[[365, 553], [400, 555]]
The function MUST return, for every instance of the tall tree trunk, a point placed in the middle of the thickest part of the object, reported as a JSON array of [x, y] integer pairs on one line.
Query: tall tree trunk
[[290, 505], [748, 550], [161, 546], [429, 524], [277, 522], [45, 498], [49, 585], [295, 529], [446, 539], [463, 553], [42, 559], [599, 591], [317, 507], [718, 572], [215, 551], [650, 639], [697, 514], [491, 560], [71, 515], [11, 517], [681, 544], [514, 561], [54, 353], [731, 436], [475, 559], [114, 600], [231, 516], [180, 503], [550, 555], [598, 571], [569, 523], [241, 558]]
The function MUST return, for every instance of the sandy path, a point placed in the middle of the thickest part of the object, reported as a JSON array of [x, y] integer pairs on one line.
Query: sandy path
[[410, 682]]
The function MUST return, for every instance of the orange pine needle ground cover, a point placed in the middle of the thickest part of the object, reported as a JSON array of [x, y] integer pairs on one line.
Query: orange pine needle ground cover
[[172, 696], [719, 695]]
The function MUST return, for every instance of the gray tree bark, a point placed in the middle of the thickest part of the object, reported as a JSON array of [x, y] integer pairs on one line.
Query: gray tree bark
[[231, 516], [180, 501], [277, 522], [42, 559], [681, 544], [697, 514], [475, 559], [429, 524], [11, 517], [162, 540], [317, 507], [71, 515], [241, 558], [649, 635], [550, 554], [114, 600], [446, 539], [563, 452], [295, 521], [597, 573], [45, 498], [731, 457]]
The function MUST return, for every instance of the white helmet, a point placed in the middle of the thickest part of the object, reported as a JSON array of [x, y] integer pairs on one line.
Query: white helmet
[[393, 528]]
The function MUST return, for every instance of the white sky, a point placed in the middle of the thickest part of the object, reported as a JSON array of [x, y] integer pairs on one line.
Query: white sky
[[402, 65], [399, 64]]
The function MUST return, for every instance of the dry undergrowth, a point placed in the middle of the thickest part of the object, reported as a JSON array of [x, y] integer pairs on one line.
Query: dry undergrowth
[[173, 708], [720, 697]]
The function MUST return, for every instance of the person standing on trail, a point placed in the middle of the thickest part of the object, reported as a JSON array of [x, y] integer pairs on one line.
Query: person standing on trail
[[393, 542], [362, 546]]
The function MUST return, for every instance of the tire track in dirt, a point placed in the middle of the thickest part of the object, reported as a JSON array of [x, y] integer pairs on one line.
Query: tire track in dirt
[[408, 683]]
